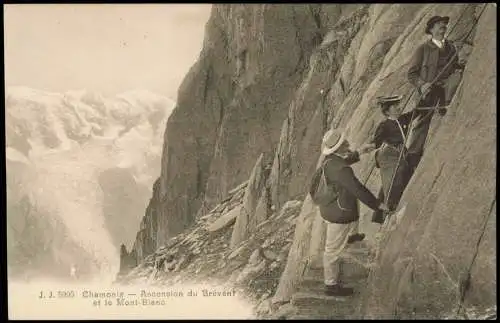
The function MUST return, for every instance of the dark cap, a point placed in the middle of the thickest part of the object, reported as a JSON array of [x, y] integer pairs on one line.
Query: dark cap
[[433, 20], [387, 100]]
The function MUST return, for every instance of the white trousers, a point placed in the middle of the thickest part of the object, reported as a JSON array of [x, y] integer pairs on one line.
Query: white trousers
[[336, 241]]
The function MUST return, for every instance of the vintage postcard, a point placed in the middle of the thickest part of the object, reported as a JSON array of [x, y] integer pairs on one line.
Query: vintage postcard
[[251, 161]]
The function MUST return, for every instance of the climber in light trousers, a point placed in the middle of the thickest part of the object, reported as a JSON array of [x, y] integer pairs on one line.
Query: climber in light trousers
[[342, 213]]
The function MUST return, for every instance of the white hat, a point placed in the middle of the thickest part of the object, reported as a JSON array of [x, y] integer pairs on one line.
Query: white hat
[[332, 140]]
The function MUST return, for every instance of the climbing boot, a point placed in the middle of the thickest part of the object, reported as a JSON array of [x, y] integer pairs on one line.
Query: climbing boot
[[356, 237], [338, 290], [378, 217]]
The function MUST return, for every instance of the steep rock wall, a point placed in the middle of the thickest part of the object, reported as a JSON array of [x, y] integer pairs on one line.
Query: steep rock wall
[[356, 114], [232, 103], [309, 111], [146, 238], [439, 260]]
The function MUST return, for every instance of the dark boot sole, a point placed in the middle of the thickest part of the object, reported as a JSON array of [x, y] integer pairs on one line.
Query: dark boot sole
[[356, 237]]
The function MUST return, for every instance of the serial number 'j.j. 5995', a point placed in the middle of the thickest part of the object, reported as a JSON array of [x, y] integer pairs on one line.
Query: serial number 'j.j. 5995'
[[57, 294]]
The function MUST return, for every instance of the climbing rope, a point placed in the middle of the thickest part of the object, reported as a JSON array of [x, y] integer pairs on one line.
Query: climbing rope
[[421, 96]]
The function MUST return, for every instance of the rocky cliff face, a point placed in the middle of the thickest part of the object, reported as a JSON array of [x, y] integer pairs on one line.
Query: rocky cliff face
[[232, 103], [441, 253], [416, 231], [289, 73]]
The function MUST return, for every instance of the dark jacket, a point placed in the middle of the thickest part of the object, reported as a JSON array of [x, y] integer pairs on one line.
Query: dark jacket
[[388, 131], [429, 60], [345, 208]]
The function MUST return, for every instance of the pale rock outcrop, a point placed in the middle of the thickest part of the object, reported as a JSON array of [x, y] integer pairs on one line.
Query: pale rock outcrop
[[255, 203], [289, 208], [297, 260], [256, 265], [225, 220]]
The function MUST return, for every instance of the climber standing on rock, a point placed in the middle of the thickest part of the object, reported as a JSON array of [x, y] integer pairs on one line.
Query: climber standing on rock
[[430, 69], [391, 155], [341, 210], [400, 139]]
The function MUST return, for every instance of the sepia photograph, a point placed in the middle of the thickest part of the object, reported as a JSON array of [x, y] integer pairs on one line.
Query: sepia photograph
[[251, 161]]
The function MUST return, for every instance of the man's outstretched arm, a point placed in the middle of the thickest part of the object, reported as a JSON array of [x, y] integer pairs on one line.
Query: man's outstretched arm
[[349, 181]]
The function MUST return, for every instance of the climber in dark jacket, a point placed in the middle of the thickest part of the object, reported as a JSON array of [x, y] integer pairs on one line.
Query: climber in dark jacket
[[430, 68], [391, 156], [342, 214]]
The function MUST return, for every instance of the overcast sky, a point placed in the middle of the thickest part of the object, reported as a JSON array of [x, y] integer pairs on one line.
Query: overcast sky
[[102, 47]]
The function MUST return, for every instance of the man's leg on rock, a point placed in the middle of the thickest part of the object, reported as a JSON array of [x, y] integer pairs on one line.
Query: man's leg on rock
[[336, 240], [400, 180], [435, 99], [354, 235]]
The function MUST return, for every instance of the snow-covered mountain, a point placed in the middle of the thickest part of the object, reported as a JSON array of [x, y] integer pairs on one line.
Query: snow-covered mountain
[[80, 167]]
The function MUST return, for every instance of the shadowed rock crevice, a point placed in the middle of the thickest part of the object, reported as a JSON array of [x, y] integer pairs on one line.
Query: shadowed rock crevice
[[467, 281]]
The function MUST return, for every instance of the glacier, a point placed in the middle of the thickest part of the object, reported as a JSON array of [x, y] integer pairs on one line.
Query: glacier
[[72, 159]]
